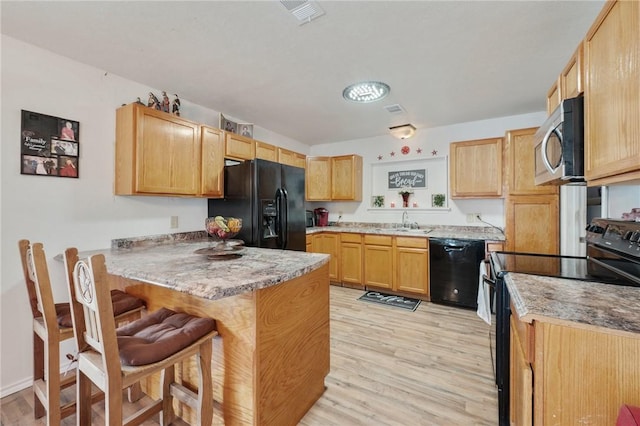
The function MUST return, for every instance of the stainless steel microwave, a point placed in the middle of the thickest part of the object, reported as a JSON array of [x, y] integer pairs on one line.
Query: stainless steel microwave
[[559, 145]]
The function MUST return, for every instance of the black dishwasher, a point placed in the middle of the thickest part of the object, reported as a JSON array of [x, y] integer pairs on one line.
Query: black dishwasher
[[454, 271]]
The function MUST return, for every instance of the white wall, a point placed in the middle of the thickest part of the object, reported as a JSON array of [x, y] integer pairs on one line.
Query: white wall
[[80, 212], [623, 198], [428, 140]]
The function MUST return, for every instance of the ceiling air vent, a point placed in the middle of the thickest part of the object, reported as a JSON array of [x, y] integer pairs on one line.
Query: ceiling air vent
[[304, 11], [394, 109]]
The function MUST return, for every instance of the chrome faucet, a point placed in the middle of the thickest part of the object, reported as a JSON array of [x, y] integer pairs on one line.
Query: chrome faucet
[[405, 219]]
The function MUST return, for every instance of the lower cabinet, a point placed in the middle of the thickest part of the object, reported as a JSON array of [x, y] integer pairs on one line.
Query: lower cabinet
[[351, 259], [378, 261], [412, 265], [564, 373], [309, 246], [329, 243]]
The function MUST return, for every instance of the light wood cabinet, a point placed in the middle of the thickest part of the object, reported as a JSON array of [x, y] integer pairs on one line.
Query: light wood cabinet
[[212, 179], [239, 147], [292, 158], [612, 127], [309, 246], [378, 261], [554, 96], [351, 264], [572, 76], [329, 243], [412, 265], [532, 224], [476, 168], [521, 380], [520, 164], [334, 178], [318, 179], [346, 178], [266, 151], [156, 153]]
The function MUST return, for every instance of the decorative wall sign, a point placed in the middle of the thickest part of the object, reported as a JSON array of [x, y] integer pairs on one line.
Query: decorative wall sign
[[408, 179], [50, 146]]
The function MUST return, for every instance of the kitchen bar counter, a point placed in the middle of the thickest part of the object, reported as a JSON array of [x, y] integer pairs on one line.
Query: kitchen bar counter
[[272, 314], [428, 231], [578, 303]]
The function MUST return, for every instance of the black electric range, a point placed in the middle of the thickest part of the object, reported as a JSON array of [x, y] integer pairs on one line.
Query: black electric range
[[613, 257]]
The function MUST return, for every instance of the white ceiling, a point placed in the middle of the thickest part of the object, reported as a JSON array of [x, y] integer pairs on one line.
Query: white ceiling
[[446, 62]]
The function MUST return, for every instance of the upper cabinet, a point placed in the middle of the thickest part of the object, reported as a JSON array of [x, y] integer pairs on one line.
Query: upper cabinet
[[266, 151], [334, 178], [520, 164], [612, 104], [156, 153], [476, 168], [239, 147], [572, 77], [554, 96], [212, 177], [291, 158]]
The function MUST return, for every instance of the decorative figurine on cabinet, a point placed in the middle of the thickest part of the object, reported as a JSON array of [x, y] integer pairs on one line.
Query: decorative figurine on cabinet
[[153, 101], [176, 106], [165, 102], [138, 101]]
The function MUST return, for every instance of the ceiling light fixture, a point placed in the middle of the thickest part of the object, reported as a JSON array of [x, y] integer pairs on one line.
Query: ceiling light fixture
[[404, 131], [366, 91]]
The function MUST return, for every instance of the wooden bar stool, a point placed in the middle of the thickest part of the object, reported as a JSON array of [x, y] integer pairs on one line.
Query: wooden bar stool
[[52, 324], [114, 359]]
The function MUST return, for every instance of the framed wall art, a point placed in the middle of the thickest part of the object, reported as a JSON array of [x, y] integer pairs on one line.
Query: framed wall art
[[49, 146]]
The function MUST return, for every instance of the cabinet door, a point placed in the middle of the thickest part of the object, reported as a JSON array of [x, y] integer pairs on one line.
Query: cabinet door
[[318, 179], [520, 164], [309, 246], [612, 127], [572, 76], [351, 258], [521, 383], [167, 154], [532, 224], [329, 243], [239, 147], [554, 96], [346, 178], [476, 168], [292, 158], [378, 261], [412, 269], [266, 151], [212, 180]]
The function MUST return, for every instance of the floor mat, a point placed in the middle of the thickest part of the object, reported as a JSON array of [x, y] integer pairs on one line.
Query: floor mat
[[390, 300]]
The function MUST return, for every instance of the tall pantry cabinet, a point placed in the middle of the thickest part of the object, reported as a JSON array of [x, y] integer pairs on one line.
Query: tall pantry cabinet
[[531, 211]]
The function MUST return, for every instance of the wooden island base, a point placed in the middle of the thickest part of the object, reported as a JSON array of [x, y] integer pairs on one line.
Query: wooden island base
[[272, 355]]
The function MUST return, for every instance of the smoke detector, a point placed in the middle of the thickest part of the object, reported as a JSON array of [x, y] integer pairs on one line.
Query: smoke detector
[[304, 11]]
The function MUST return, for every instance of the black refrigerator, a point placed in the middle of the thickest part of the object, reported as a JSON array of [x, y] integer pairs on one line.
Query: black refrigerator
[[269, 198]]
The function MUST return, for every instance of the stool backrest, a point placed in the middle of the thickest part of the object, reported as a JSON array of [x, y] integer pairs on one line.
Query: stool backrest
[[36, 273], [91, 292]]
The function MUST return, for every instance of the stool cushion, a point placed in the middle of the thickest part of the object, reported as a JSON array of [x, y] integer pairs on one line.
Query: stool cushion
[[159, 335], [63, 315], [628, 416], [121, 301]]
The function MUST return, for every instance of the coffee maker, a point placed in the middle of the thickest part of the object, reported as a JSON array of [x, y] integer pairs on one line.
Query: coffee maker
[[322, 216]]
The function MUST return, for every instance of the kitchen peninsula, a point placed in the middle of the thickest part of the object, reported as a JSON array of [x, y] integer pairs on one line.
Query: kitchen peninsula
[[272, 313]]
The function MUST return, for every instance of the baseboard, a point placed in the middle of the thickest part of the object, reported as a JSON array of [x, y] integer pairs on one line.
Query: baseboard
[[16, 387]]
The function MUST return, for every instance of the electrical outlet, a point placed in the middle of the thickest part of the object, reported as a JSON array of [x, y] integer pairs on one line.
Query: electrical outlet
[[472, 217], [174, 222]]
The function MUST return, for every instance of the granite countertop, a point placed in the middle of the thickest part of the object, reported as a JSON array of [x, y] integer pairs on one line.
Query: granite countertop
[[427, 231], [586, 303], [171, 262]]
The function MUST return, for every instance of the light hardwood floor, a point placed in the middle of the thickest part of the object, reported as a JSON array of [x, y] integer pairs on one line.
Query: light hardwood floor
[[389, 366]]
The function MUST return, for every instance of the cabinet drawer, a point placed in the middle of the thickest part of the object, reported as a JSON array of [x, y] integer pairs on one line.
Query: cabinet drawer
[[379, 240], [412, 242], [350, 238]]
